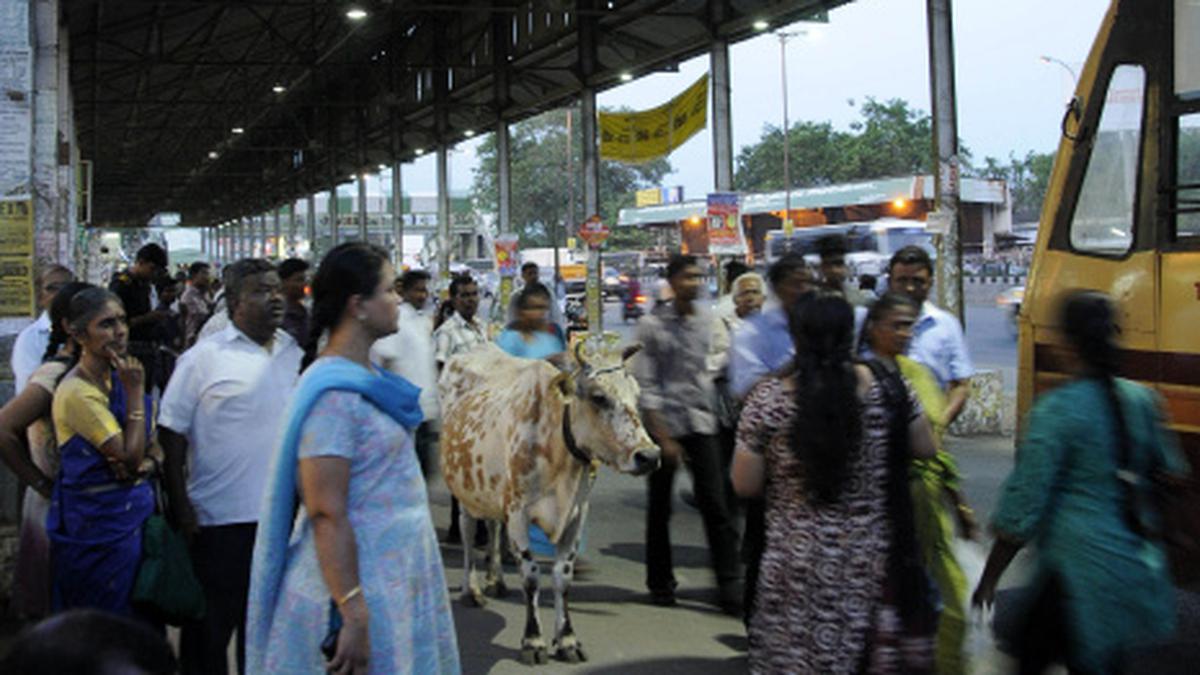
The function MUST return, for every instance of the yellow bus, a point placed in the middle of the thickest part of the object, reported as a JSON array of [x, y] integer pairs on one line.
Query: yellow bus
[[1122, 215]]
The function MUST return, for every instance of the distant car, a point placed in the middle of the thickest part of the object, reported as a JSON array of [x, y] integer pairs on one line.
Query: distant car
[[612, 284], [1010, 301]]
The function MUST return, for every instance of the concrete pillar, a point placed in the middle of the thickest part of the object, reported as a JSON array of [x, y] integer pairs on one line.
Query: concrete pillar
[[262, 235], [397, 215], [722, 127], [945, 132], [362, 207], [443, 207], [238, 246]]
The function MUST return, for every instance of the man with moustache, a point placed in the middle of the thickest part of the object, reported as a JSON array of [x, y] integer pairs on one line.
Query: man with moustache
[[220, 415]]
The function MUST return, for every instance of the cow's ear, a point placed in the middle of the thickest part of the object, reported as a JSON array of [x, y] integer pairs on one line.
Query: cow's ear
[[630, 351], [562, 383]]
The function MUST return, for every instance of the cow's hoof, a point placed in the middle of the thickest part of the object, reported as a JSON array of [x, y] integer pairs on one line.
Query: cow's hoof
[[472, 598], [570, 651], [534, 654], [496, 589]]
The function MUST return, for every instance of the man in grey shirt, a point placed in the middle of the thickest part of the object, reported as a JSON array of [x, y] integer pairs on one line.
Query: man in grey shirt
[[676, 402]]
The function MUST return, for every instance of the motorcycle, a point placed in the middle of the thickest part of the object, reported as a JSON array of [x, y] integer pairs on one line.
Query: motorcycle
[[575, 313], [633, 307]]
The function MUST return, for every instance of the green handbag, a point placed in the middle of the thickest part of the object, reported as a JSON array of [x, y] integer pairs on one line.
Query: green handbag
[[166, 587]]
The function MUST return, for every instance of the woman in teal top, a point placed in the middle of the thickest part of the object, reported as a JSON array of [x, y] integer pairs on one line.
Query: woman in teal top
[[529, 337], [1103, 585]]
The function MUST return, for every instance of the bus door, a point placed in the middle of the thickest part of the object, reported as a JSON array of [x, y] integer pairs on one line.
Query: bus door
[[1121, 215]]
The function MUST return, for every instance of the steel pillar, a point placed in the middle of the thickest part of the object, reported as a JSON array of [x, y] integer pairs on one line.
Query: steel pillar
[[291, 238], [945, 146], [277, 236], [310, 225], [443, 207], [362, 207], [334, 226], [722, 118], [397, 216]]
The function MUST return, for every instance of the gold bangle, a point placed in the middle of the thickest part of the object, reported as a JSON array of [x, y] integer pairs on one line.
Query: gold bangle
[[357, 590], [136, 416]]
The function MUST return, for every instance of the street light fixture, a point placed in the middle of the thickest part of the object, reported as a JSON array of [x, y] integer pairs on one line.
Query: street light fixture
[[1069, 69]]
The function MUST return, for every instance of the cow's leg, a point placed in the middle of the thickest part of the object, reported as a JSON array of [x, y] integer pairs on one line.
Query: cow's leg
[[493, 584], [566, 646], [472, 596], [533, 647]]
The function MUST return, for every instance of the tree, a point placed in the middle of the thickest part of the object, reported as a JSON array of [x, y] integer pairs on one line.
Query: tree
[[540, 180], [890, 139], [1027, 180]]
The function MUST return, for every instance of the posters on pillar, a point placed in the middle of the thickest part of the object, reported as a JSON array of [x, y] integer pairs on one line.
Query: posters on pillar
[[649, 134], [16, 286], [16, 227], [725, 224], [16, 122], [506, 255]]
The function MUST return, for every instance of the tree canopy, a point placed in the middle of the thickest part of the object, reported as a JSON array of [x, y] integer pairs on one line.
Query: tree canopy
[[890, 139], [1027, 178], [540, 179]]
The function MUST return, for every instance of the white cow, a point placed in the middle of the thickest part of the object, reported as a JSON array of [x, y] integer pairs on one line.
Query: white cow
[[520, 443]]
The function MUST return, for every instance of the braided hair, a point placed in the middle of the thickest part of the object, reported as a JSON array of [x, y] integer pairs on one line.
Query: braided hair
[[1089, 322], [828, 426], [352, 268]]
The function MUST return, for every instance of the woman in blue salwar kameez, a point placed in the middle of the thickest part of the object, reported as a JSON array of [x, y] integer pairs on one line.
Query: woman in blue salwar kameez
[[103, 421]]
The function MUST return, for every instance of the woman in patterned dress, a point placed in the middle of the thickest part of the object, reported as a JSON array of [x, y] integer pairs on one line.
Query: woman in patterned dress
[[363, 547], [837, 592]]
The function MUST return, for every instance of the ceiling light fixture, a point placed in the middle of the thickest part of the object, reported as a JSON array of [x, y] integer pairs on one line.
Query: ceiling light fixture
[[356, 13], [419, 151], [469, 133], [626, 77], [278, 89], [383, 167], [213, 154], [761, 25], [238, 130]]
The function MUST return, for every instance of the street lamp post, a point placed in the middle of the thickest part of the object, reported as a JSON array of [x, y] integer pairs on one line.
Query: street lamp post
[[784, 36], [1069, 69]]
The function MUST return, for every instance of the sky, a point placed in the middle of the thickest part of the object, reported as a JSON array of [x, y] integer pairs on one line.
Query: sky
[[1009, 100]]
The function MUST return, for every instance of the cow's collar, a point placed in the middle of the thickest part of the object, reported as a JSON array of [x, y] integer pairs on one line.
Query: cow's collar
[[569, 438]]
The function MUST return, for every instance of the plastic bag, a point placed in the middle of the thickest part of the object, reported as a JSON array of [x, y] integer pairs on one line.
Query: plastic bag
[[980, 643]]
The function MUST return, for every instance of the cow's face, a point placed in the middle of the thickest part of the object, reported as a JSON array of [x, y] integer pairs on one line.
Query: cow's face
[[605, 419]]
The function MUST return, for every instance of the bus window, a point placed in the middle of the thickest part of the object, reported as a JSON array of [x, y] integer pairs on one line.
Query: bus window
[[1103, 218], [1187, 50], [1187, 198]]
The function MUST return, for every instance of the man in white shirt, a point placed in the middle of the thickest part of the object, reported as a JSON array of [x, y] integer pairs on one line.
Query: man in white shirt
[[31, 342], [459, 334], [409, 353], [220, 415]]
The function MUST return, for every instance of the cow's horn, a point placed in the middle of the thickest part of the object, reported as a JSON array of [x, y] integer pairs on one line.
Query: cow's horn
[[629, 351], [579, 354]]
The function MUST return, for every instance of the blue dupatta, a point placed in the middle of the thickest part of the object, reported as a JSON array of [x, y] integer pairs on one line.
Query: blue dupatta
[[391, 394]]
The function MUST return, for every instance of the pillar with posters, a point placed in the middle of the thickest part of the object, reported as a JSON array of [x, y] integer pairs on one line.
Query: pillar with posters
[[594, 232], [506, 269], [725, 237]]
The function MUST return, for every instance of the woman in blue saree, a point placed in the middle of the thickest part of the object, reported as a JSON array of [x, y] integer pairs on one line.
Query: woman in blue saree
[[104, 424], [362, 547]]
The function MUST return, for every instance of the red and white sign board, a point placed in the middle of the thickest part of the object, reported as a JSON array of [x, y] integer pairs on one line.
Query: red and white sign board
[[594, 231]]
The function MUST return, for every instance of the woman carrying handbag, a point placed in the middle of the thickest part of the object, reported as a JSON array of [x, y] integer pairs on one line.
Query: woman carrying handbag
[[1102, 585]]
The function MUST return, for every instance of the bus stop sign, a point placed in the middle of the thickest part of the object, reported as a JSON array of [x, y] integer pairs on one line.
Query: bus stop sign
[[593, 231]]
